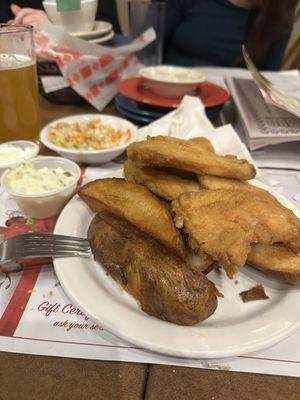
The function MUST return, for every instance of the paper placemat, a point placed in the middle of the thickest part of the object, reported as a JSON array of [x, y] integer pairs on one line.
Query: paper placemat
[[36, 317]]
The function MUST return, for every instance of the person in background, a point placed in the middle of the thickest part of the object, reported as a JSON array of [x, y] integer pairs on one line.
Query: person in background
[[6, 13], [211, 32], [28, 16], [31, 12]]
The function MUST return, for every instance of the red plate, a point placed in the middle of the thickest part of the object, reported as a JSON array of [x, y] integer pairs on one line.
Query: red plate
[[211, 95]]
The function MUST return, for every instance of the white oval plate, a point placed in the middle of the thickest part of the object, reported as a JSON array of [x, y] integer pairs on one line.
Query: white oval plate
[[235, 328], [100, 28]]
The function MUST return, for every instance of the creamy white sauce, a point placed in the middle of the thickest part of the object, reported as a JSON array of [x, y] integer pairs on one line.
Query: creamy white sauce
[[170, 74], [26, 179], [10, 154]]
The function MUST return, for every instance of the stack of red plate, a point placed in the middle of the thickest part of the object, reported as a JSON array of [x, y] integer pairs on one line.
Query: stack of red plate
[[140, 103]]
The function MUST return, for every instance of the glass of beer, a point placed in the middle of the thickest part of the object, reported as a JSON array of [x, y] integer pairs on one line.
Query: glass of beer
[[19, 104]]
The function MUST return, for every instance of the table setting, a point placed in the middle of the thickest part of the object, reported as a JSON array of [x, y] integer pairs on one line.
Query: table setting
[[225, 140], [101, 253]]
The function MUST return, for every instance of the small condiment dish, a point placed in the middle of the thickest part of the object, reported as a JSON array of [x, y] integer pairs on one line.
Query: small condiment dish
[[171, 81], [33, 150], [48, 204], [93, 157]]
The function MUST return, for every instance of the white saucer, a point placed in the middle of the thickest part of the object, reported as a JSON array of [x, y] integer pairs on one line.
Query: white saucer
[[102, 39], [100, 28]]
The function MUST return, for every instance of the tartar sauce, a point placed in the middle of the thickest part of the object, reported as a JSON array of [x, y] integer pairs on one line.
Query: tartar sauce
[[10, 154], [26, 179]]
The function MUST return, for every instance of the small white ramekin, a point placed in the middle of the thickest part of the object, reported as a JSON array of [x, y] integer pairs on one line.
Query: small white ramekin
[[49, 204], [23, 144]]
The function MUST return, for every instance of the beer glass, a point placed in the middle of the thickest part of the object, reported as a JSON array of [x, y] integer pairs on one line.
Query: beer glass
[[19, 105]]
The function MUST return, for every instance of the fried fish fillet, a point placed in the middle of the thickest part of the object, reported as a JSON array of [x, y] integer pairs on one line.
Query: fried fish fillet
[[202, 144], [276, 260], [217, 182], [163, 184], [163, 151], [137, 205], [224, 224], [178, 172], [201, 261], [165, 287]]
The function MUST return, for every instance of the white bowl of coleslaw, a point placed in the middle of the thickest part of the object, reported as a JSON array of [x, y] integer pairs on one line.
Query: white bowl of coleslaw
[[89, 138]]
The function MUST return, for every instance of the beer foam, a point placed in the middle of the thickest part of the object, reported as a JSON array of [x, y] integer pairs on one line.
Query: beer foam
[[13, 61]]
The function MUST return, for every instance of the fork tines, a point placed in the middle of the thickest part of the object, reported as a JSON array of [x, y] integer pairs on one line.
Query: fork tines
[[41, 244], [50, 239]]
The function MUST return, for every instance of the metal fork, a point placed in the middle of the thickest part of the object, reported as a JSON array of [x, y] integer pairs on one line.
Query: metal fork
[[33, 245]]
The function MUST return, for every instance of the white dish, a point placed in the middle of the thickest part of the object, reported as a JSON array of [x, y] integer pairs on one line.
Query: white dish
[[73, 21], [22, 144], [171, 81], [48, 204], [172, 74], [100, 28], [102, 39], [93, 156], [236, 328]]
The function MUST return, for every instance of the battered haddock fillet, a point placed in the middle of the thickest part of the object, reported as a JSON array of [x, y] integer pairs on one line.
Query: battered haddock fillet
[[163, 151], [276, 260], [201, 143], [224, 224], [137, 205], [165, 287], [163, 184], [217, 182]]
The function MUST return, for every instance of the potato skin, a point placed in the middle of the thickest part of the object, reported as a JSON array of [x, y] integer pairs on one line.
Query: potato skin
[[165, 287], [137, 205]]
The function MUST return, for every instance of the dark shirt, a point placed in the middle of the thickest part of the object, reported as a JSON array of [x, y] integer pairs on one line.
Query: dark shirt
[[106, 10], [6, 14], [211, 32]]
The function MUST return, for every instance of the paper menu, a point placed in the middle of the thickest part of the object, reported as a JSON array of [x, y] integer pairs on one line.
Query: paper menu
[[272, 93], [289, 84], [263, 123]]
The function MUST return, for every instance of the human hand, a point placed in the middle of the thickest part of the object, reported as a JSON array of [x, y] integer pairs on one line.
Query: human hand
[[28, 16]]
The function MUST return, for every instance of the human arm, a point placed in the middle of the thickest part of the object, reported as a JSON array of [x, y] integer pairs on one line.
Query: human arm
[[28, 16]]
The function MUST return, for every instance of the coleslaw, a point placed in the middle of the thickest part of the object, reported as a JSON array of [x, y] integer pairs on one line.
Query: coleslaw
[[87, 135]]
